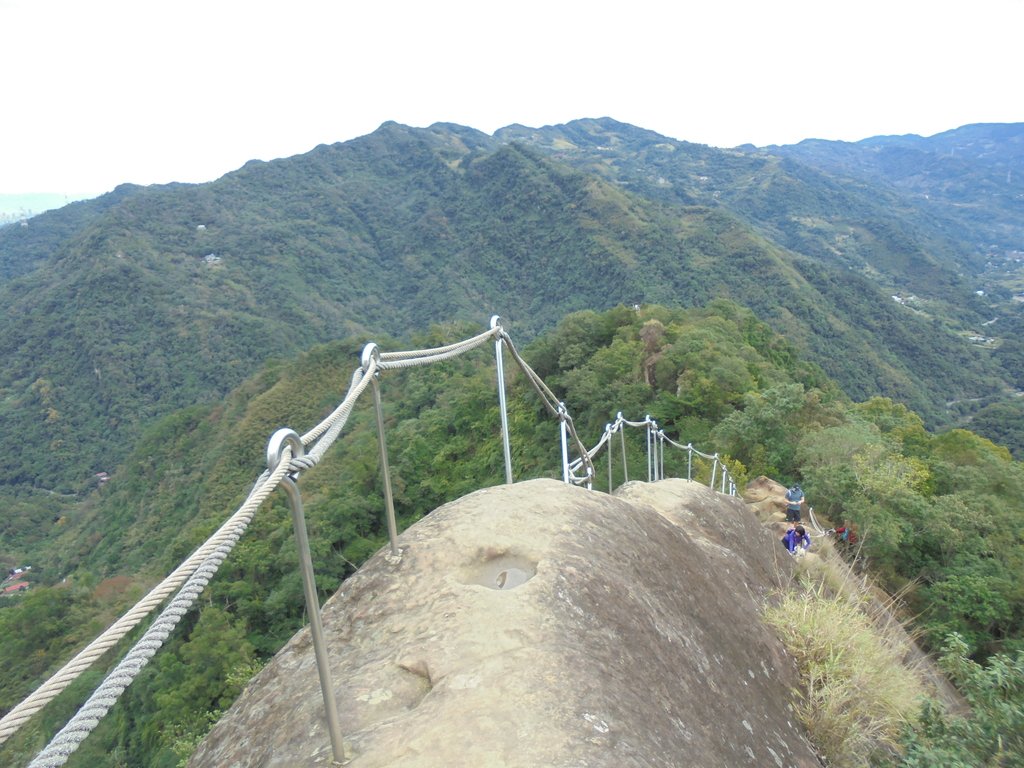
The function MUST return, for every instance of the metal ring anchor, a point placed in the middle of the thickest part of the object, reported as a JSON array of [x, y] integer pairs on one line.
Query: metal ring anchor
[[371, 353], [275, 448]]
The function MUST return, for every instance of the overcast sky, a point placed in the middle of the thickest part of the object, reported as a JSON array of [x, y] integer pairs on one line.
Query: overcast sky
[[100, 92]]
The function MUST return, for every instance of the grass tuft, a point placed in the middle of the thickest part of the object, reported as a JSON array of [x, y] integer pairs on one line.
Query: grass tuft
[[856, 692]]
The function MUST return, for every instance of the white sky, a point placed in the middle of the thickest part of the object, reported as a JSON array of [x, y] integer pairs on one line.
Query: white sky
[[94, 93]]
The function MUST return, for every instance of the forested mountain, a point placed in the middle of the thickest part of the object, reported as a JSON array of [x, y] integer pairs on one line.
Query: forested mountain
[[971, 176], [939, 515], [122, 309]]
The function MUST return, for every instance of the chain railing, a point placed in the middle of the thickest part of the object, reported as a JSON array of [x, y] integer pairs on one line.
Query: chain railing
[[288, 455]]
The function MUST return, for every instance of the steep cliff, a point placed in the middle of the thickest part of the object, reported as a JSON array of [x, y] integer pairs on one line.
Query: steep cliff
[[540, 624]]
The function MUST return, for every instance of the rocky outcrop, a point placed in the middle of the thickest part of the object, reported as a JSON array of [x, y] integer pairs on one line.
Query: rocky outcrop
[[543, 625], [768, 499]]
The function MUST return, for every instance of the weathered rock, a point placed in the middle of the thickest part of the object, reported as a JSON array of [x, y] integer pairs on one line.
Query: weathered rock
[[543, 625], [768, 499]]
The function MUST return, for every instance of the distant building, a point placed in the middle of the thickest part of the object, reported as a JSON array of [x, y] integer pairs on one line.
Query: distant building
[[17, 586]]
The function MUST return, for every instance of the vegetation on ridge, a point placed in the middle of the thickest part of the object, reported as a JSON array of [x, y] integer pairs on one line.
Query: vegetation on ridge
[[940, 515]]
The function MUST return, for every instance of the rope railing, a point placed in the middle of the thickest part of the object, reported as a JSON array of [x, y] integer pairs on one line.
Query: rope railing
[[288, 455], [656, 439]]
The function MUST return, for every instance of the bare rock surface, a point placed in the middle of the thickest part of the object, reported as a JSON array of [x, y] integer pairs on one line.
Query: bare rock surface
[[542, 625], [768, 498]]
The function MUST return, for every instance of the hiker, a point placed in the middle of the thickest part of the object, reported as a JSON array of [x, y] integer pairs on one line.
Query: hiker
[[846, 535], [794, 498], [796, 540]]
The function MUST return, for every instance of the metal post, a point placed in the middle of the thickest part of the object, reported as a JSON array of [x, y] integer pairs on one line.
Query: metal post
[[622, 441], [370, 354], [714, 471], [657, 453], [275, 448], [565, 442], [608, 431], [496, 323], [689, 462], [647, 421]]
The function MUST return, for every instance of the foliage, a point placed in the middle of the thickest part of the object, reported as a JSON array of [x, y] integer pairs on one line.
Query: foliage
[[1002, 423], [991, 734]]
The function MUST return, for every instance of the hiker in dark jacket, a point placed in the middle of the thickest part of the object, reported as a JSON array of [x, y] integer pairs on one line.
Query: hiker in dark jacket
[[796, 537], [794, 498]]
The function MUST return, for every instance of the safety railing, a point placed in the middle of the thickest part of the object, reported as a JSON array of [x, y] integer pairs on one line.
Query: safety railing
[[656, 440], [288, 455]]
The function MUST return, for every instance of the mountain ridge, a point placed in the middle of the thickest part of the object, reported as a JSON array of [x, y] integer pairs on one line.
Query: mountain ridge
[[124, 308]]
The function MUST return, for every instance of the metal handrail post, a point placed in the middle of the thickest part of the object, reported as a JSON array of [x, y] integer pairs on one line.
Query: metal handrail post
[[371, 353], [274, 454], [657, 454], [565, 441], [689, 462], [654, 451], [496, 323], [608, 432], [622, 440], [714, 471], [647, 420]]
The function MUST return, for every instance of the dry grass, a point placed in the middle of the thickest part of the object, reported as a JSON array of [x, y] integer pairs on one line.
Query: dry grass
[[857, 694]]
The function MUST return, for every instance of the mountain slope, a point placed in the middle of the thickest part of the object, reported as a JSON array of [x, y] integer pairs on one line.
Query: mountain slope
[[972, 176], [119, 310]]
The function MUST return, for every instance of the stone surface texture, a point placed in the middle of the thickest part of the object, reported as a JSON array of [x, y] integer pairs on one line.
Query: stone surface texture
[[543, 625]]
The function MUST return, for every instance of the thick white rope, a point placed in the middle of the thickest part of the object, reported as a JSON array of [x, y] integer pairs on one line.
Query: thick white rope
[[817, 526], [391, 361], [471, 343], [341, 412], [69, 738], [329, 427], [328, 431], [636, 423], [113, 634], [554, 407]]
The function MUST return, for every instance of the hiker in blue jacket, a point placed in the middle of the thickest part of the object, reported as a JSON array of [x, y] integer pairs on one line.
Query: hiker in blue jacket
[[796, 537], [794, 498]]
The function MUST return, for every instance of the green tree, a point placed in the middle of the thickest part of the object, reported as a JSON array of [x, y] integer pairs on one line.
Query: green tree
[[991, 735]]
